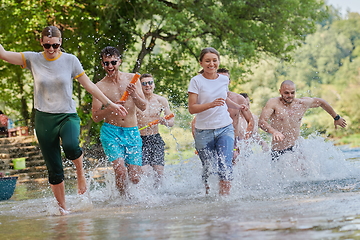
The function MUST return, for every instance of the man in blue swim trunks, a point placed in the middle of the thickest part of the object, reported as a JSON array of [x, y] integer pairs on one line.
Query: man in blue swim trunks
[[120, 136], [282, 117]]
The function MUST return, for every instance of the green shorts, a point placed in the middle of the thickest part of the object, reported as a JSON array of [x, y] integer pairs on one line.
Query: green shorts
[[50, 128]]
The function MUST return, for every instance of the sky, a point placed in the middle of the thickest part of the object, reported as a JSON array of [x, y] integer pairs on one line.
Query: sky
[[343, 5]]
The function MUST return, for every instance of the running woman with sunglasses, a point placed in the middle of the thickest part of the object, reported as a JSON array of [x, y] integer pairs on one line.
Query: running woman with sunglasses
[[153, 149], [55, 111], [120, 135]]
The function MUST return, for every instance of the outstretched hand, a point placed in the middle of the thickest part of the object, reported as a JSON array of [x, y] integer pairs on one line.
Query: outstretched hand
[[341, 122]]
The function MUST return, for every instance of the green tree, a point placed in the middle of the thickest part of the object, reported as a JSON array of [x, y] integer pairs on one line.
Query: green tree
[[157, 36]]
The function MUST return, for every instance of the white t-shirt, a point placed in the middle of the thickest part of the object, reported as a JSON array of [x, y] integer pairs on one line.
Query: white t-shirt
[[208, 90], [53, 80]]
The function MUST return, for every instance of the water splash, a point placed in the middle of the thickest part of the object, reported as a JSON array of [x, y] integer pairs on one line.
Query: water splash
[[316, 167]]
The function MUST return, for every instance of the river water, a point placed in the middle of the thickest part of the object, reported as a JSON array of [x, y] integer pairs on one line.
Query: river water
[[310, 194]]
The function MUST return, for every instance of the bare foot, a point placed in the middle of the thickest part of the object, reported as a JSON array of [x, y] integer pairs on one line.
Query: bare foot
[[224, 187], [64, 212], [81, 182], [207, 189]]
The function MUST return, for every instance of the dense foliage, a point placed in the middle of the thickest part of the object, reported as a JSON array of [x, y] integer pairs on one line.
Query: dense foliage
[[326, 66], [163, 38]]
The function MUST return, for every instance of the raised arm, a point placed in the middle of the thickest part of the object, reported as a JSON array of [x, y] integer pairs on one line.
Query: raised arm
[[137, 95], [95, 91], [319, 102], [11, 57]]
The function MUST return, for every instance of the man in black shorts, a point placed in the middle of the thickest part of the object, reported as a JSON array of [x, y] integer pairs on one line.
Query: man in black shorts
[[282, 117], [153, 145], [275, 154]]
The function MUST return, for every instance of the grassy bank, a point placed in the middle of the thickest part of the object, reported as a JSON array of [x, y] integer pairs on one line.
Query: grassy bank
[[352, 140]]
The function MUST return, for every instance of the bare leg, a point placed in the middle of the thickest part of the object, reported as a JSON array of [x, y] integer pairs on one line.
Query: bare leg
[[120, 175], [207, 188], [81, 180], [59, 193], [146, 170], [134, 173], [224, 187], [159, 172], [235, 156]]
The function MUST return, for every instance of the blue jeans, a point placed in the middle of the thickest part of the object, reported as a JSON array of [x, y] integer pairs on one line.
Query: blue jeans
[[215, 149]]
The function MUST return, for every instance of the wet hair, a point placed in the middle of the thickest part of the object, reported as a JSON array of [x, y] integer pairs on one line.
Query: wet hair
[[145, 75], [50, 31], [245, 95], [110, 51], [208, 50], [223, 70]]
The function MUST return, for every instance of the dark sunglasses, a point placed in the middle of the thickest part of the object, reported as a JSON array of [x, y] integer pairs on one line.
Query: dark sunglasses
[[108, 63], [146, 83], [47, 45]]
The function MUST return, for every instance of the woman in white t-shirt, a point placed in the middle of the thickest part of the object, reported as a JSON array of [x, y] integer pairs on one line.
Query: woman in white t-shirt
[[214, 132], [56, 117]]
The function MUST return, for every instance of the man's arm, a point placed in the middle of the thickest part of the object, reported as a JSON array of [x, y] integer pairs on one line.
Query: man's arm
[[137, 95], [235, 104], [96, 93], [250, 120], [167, 111], [266, 113], [99, 111], [245, 111], [319, 102]]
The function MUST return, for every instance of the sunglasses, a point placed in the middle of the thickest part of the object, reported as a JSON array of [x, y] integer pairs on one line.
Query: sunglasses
[[108, 63], [48, 46], [146, 83]]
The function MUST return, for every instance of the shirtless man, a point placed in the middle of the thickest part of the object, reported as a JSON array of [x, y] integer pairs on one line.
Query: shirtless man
[[119, 136], [235, 114], [243, 124], [153, 145], [282, 116]]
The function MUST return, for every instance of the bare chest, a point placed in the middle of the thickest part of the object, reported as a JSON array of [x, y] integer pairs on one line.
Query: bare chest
[[113, 91], [291, 114]]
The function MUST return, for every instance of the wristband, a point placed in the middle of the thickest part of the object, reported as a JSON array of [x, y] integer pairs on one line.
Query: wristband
[[337, 117]]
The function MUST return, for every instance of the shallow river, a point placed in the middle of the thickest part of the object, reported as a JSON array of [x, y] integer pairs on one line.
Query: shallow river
[[312, 194]]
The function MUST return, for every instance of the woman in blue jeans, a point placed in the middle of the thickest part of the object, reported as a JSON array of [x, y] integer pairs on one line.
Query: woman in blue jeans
[[214, 132]]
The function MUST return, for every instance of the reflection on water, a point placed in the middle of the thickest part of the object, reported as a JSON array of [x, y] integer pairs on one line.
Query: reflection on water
[[311, 194]]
